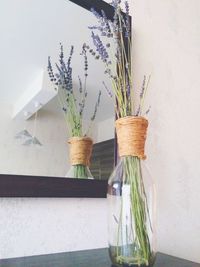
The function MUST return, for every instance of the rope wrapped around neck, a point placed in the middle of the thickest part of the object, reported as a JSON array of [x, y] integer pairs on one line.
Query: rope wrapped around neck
[[131, 136], [80, 150]]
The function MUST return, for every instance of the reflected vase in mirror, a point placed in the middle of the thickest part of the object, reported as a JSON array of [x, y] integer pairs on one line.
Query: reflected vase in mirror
[[80, 154], [73, 102]]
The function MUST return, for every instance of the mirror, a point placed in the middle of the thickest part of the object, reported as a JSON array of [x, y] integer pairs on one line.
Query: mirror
[[30, 32]]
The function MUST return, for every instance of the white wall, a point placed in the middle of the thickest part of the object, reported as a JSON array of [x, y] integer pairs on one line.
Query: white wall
[[166, 45], [42, 226]]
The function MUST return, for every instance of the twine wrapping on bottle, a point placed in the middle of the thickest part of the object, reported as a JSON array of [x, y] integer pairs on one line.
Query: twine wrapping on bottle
[[131, 136], [80, 150]]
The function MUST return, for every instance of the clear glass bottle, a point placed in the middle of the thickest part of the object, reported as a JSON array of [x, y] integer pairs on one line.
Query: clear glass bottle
[[131, 199]]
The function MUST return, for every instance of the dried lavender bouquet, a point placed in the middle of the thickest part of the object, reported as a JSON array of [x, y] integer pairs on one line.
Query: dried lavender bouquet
[[131, 231], [73, 104]]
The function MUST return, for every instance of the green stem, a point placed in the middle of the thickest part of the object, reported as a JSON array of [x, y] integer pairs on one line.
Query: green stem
[[141, 249], [80, 171]]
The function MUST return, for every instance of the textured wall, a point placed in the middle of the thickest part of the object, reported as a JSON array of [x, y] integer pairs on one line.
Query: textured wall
[[166, 45], [42, 226]]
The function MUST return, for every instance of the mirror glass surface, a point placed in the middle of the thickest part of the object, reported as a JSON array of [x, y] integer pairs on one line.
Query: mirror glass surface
[[30, 32]]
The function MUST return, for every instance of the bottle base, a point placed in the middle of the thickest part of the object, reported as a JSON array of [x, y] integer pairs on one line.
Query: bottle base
[[122, 260]]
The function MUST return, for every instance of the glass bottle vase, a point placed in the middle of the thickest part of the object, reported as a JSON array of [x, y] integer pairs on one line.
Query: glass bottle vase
[[131, 215], [131, 199]]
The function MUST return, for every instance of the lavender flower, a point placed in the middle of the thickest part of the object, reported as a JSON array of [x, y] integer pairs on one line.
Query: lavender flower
[[50, 70], [143, 87], [62, 79], [128, 87], [127, 8], [127, 21], [100, 48], [119, 29], [148, 110], [104, 28], [80, 85], [84, 53], [142, 93], [115, 3], [96, 107], [107, 28]]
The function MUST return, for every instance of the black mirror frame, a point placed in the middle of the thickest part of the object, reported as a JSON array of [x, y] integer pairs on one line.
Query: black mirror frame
[[41, 186]]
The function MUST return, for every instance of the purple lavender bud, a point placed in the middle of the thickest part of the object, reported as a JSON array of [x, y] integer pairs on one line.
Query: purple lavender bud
[[115, 3], [100, 29], [127, 7], [127, 21], [100, 47], [106, 22], [96, 106], [143, 87], [148, 110], [128, 87], [80, 85]]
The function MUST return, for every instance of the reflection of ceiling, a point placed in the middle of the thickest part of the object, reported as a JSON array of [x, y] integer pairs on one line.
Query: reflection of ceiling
[[30, 31]]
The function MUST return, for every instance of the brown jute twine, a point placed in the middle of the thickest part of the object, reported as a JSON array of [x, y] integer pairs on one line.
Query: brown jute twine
[[80, 150], [131, 136]]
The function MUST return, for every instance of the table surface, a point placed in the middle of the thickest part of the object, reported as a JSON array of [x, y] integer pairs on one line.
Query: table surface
[[86, 258]]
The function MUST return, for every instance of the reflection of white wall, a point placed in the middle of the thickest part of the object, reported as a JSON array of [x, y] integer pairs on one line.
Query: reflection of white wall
[[51, 159], [37, 37], [105, 130]]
